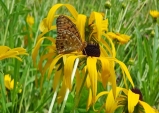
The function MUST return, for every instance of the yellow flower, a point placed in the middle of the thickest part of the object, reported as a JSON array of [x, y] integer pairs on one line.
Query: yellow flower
[[9, 84], [154, 13], [7, 52], [122, 38], [97, 61], [130, 100], [30, 20]]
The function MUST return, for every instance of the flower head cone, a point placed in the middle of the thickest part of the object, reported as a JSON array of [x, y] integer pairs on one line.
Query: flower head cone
[[100, 63]]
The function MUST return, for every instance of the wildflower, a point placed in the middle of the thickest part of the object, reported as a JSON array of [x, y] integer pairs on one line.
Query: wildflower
[[96, 60], [154, 13], [7, 52], [30, 20], [107, 5], [127, 99], [29, 29], [122, 38], [9, 84]]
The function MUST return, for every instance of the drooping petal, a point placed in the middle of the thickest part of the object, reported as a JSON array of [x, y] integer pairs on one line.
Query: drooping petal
[[89, 101], [112, 78], [92, 72], [68, 68], [120, 37], [111, 104], [4, 49], [98, 18], [133, 99], [105, 70], [62, 92], [43, 25], [80, 24], [50, 16], [46, 30], [88, 81], [147, 108], [37, 47], [101, 94], [78, 81], [6, 52], [124, 68], [112, 45], [57, 78]]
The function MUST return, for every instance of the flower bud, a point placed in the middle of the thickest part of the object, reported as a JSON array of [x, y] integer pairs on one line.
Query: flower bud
[[107, 5]]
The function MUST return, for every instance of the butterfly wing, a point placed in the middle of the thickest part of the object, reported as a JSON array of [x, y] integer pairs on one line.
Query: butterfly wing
[[68, 38]]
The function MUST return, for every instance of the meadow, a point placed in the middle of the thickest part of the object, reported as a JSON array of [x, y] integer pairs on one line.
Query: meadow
[[74, 56]]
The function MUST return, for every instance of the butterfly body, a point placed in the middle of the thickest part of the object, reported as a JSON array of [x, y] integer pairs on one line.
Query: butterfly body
[[68, 38]]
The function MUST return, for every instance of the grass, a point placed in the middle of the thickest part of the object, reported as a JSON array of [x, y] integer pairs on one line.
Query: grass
[[129, 17]]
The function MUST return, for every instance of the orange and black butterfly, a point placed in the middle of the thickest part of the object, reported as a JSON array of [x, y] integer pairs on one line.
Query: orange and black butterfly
[[68, 37]]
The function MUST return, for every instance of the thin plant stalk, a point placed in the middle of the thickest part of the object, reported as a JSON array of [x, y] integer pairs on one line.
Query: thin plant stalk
[[6, 30], [67, 91]]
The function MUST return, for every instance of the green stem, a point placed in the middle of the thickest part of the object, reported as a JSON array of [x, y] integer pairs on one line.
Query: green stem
[[6, 30]]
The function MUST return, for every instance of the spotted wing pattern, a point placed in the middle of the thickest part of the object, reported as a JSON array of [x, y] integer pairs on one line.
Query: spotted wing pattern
[[68, 38]]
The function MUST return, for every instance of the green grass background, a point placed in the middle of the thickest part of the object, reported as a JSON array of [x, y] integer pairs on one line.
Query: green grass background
[[129, 17]]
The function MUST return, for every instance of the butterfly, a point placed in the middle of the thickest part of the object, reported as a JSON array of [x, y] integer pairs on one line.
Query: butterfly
[[68, 37]]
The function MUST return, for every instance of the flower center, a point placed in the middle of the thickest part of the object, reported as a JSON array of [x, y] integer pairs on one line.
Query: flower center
[[137, 91], [92, 49]]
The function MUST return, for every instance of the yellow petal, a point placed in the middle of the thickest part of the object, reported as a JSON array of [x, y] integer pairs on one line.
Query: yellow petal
[[78, 81], [133, 99], [6, 52], [56, 79], [46, 30], [88, 81], [105, 25], [35, 50], [48, 58], [109, 48], [147, 108], [80, 24], [124, 68], [37, 46], [111, 104], [98, 18], [68, 68], [92, 71], [61, 93], [89, 101], [101, 94], [112, 78], [154, 13], [12, 84], [43, 25], [53, 63], [120, 37], [105, 70], [9, 84], [50, 16], [4, 49], [30, 20]]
